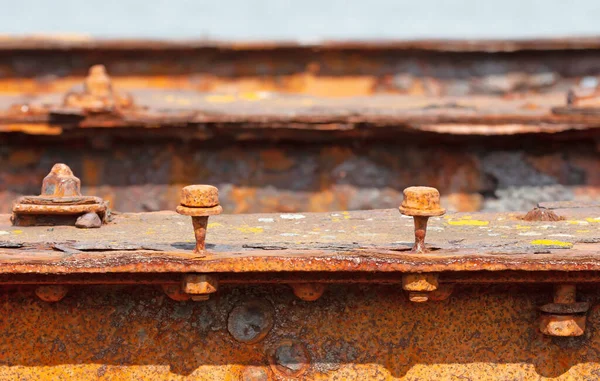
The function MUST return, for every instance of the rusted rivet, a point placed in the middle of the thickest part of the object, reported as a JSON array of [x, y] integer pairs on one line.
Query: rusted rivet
[[565, 317], [175, 292], [421, 203], [251, 321], [419, 285], [199, 202], [51, 293], [255, 373], [289, 359], [542, 214], [200, 286], [308, 291]]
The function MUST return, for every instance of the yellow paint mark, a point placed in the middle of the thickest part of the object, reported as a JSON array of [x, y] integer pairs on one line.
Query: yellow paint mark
[[170, 98], [250, 229], [17, 231], [251, 97], [589, 219], [582, 231], [551, 242], [346, 215], [184, 102], [214, 225], [220, 98], [468, 223], [523, 227], [335, 219], [577, 222]]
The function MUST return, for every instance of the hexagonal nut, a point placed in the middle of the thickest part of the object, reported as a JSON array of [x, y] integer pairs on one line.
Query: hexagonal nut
[[61, 182], [199, 196], [420, 282], [200, 284], [562, 325]]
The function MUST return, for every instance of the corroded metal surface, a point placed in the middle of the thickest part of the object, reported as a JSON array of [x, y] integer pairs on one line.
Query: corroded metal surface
[[362, 241], [352, 332]]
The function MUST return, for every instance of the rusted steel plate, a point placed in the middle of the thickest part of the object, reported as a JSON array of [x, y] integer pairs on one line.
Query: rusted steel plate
[[352, 332], [363, 241], [241, 115]]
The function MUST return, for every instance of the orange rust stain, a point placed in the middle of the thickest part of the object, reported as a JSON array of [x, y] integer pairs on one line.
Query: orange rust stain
[[243, 198], [465, 202], [276, 160], [32, 129], [322, 201]]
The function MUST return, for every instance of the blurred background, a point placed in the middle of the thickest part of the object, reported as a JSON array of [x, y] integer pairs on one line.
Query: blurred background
[[303, 106]]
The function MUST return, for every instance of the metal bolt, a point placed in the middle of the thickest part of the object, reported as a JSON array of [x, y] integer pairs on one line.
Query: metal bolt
[[565, 317], [251, 321], [200, 286], [308, 292], [199, 202], [51, 293], [98, 94], [419, 286], [61, 182], [289, 359], [421, 203]]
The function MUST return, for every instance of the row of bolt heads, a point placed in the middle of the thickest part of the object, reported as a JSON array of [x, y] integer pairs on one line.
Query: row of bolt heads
[[564, 317]]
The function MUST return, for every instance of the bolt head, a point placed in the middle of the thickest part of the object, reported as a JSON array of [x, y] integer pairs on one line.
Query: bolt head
[[199, 196], [61, 182], [420, 282], [421, 201], [308, 292], [51, 293], [562, 325], [200, 284]]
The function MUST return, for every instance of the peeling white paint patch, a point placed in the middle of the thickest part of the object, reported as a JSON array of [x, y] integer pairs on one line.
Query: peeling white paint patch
[[494, 234], [530, 233], [266, 220], [289, 234], [2, 232], [328, 237], [335, 215], [547, 226], [404, 216], [561, 235], [292, 216]]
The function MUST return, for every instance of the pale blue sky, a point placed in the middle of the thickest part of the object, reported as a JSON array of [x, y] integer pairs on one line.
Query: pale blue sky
[[307, 20]]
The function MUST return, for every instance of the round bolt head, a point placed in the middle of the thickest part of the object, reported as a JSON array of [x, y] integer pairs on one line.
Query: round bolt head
[[51, 293], [421, 201], [251, 321], [199, 196]]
